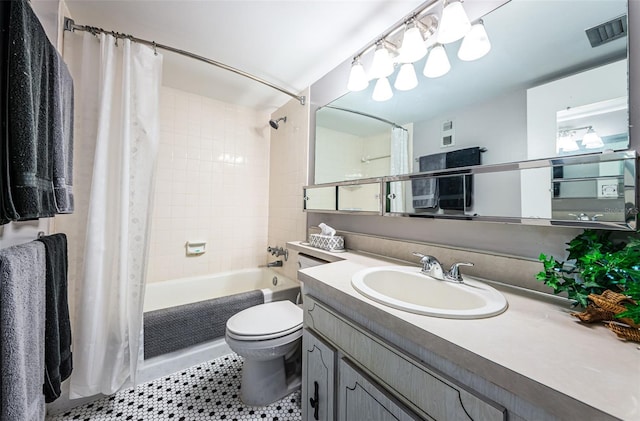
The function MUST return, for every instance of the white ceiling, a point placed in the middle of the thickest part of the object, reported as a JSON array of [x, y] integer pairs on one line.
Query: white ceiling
[[291, 43]]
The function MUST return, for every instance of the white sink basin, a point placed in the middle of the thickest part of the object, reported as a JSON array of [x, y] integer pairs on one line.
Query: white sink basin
[[406, 288]]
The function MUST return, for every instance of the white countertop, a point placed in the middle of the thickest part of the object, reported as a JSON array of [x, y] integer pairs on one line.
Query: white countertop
[[536, 338]]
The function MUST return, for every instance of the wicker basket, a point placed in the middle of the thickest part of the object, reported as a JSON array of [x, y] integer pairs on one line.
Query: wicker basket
[[624, 332], [594, 314], [604, 307]]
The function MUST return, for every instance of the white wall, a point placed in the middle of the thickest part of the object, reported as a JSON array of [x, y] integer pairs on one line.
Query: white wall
[[211, 184], [288, 173]]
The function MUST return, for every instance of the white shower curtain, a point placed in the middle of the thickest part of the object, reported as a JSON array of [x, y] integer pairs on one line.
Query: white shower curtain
[[119, 89], [399, 165]]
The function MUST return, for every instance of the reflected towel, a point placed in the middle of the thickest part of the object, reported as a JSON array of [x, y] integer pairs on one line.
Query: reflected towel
[[22, 320], [456, 192], [425, 192]]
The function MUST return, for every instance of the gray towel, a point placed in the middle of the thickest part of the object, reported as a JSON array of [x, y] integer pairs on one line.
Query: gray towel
[[170, 329], [5, 194], [57, 333], [425, 191], [30, 114], [22, 318], [62, 135]]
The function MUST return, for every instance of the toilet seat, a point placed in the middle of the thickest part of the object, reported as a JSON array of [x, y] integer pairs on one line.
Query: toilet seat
[[265, 322]]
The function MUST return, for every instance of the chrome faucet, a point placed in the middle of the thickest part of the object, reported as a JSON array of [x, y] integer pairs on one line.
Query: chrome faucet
[[432, 267], [276, 264], [278, 251]]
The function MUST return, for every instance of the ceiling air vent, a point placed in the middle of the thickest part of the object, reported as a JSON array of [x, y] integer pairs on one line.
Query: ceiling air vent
[[608, 31]]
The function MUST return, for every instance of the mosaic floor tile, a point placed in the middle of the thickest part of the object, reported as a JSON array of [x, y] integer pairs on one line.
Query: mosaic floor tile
[[209, 391]]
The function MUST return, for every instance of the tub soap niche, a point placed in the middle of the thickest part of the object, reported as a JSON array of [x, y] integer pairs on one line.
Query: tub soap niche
[[195, 248]]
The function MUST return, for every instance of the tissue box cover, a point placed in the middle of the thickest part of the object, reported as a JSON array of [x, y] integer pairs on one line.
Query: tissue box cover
[[326, 242]]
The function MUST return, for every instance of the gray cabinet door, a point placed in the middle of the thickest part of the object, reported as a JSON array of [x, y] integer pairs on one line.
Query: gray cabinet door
[[318, 362], [359, 399]]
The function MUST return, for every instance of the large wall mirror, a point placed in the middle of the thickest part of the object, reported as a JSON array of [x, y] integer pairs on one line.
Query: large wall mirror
[[546, 89]]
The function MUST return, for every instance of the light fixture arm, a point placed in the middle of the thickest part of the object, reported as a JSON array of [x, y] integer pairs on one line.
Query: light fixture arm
[[574, 129]]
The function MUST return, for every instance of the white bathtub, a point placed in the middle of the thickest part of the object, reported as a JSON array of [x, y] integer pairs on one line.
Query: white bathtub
[[176, 292]]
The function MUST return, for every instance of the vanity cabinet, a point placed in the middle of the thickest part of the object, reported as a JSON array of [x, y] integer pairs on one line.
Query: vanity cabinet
[[361, 399], [318, 362], [374, 378]]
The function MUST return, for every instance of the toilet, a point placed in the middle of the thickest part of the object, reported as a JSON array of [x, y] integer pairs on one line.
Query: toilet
[[268, 337]]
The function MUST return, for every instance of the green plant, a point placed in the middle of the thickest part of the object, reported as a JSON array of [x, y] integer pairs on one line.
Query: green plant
[[598, 264]]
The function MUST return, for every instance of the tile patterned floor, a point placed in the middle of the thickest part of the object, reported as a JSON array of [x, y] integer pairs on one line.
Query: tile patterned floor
[[209, 391]]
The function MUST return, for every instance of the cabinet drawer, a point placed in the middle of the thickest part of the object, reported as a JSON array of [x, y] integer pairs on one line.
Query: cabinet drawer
[[411, 381], [360, 399]]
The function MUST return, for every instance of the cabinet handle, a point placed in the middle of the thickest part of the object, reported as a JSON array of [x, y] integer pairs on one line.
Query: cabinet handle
[[314, 401]]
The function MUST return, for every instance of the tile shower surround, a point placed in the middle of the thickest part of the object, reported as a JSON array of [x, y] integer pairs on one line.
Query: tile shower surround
[[212, 183]]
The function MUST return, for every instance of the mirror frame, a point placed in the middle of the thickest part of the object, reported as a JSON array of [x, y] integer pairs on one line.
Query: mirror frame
[[630, 225]]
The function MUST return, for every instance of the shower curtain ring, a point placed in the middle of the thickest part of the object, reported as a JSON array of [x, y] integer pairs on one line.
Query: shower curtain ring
[[155, 50]]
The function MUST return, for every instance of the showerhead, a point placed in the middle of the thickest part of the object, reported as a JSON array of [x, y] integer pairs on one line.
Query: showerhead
[[274, 123]]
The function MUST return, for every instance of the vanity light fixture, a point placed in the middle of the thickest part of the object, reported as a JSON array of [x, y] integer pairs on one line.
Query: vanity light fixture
[[591, 140], [382, 65], [382, 91], [454, 23], [358, 80], [421, 33], [413, 47], [566, 141], [475, 44], [437, 62], [406, 79]]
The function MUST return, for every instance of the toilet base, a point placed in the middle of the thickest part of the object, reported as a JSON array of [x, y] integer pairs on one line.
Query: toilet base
[[264, 382]]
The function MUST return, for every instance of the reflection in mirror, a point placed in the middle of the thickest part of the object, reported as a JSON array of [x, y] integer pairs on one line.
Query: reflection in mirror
[[454, 196], [541, 79], [594, 192], [357, 145], [320, 198], [359, 197], [602, 191], [601, 125]]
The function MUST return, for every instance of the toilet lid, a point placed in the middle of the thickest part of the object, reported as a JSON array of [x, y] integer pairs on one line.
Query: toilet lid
[[267, 320]]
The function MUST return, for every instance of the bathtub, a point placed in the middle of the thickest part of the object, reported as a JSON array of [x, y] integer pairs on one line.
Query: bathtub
[[178, 292]]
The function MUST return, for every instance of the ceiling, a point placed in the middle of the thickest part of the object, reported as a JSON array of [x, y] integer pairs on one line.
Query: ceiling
[[290, 43]]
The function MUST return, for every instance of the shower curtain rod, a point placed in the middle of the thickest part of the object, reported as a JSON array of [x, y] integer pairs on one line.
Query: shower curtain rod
[[70, 25], [391, 123]]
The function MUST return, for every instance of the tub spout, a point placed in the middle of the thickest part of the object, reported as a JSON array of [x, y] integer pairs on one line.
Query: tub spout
[[276, 264]]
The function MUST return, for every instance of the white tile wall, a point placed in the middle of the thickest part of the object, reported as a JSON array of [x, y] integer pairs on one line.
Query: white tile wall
[[287, 175], [212, 184]]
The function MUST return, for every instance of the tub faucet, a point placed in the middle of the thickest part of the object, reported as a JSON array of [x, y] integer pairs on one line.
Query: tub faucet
[[278, 251], [276, 264], [432, 267]]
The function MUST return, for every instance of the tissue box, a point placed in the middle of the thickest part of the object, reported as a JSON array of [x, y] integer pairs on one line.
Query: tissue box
[[326, 242]]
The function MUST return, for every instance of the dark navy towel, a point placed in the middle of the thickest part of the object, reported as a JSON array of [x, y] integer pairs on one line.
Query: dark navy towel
[[57, 339]]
